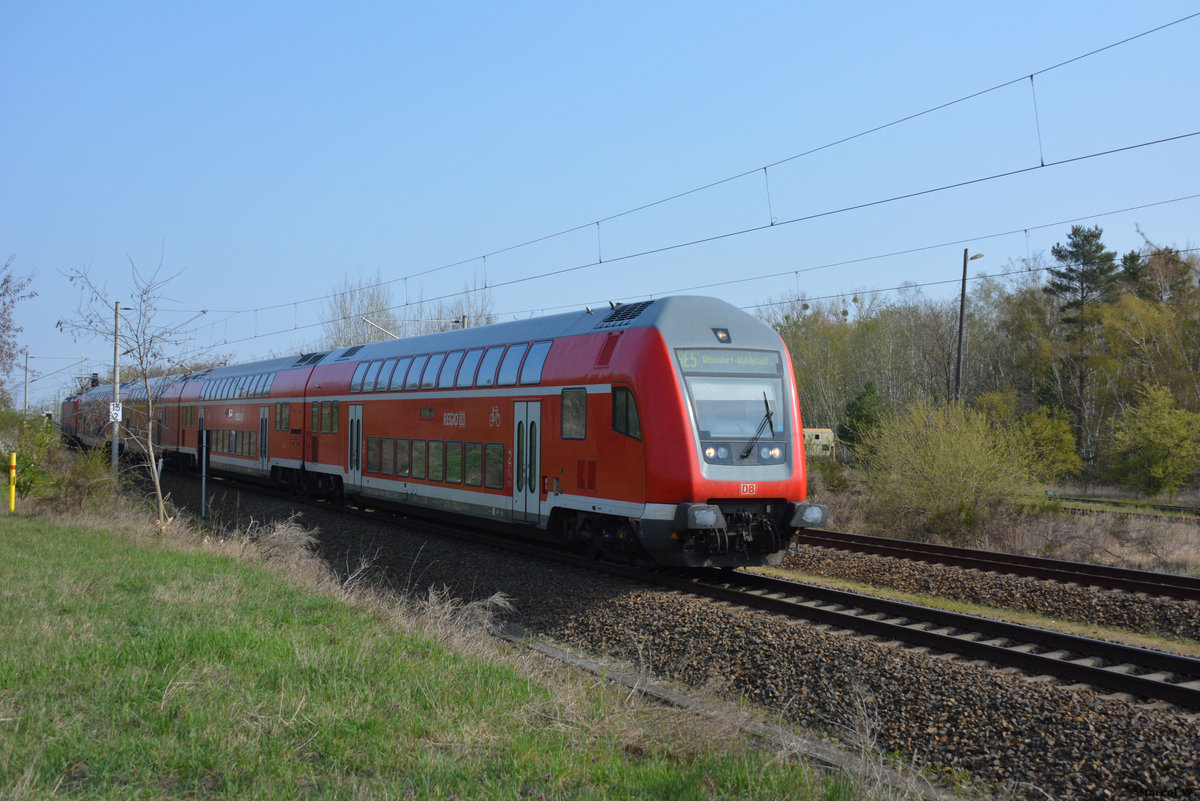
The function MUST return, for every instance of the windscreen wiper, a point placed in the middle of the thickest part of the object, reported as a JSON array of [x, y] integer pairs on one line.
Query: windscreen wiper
[[767, 422]]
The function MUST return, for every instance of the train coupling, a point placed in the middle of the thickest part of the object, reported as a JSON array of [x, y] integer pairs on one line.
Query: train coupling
[[808, 514]]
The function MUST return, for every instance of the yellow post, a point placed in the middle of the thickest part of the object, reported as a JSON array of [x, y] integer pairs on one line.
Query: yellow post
[[12, 484]]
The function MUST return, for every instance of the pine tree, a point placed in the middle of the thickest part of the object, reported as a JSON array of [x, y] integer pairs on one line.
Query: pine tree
[[1086, 275]]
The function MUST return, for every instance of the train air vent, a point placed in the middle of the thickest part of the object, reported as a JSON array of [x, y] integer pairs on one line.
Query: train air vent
[[350, 352], [310, 358], [623, 314]]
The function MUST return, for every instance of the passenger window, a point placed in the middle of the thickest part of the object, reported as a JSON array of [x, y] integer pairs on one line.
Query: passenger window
[[436, 461], [454, 462], [414, 373], [429, 376], [625, 416], [387, 456], [397, 383], [385, 375], [402, 463], [493, 465], [574, 413], [360, 373], [373, 454], [368, 384], [487, 369], [474, 464], [326, 417], [418, 458], [510, 365], [531, 372], [446, 380], [466, 374]]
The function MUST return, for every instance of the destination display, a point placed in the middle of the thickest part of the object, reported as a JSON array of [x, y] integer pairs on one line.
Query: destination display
[[725, 360]]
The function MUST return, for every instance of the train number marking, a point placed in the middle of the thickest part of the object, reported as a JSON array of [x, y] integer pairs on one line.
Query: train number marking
[[749, 489], [458, 419]]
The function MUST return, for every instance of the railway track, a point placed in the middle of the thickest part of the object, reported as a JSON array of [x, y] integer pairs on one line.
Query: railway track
[[1140, 673], [1185, 588], [1135, 506]]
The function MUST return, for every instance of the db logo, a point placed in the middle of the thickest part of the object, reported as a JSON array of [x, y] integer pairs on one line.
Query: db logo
[[749, 489]]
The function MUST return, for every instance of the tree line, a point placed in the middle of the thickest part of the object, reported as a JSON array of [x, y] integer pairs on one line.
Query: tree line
[[1096, 356]]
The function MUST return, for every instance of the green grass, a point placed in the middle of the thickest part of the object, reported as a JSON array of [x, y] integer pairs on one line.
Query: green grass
[[130, 669]]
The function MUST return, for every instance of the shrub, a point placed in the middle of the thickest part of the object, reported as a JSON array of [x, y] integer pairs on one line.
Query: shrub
[[1051, 443], [945, 471], [1156, 447]]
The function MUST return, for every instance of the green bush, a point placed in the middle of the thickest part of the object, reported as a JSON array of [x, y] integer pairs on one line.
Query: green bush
[[945, 471], [1156, 447], [1052, 445], [48, 472]]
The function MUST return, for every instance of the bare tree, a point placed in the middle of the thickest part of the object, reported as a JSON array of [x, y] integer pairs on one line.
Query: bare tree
[[152, 349], [12, 290], [362, 311]]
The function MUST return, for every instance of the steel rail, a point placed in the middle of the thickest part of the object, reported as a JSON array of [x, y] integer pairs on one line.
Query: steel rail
[[1140, 672], [1165, 584]]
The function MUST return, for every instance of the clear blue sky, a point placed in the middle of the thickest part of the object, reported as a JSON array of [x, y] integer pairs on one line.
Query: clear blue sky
[[269, 150]]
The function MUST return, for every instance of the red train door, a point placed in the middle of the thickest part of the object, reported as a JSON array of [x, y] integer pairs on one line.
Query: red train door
[[527, 463]]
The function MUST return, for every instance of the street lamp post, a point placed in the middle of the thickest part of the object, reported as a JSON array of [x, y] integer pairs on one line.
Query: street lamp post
[[962, 309]]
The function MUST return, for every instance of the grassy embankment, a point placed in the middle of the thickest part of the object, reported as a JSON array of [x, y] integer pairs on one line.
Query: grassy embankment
[[132, 667]]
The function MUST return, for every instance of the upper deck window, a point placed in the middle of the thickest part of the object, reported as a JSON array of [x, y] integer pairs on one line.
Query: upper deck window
[[429, 377], [368, 384], [446, 380], [487, 368], [360, 373], [466, 373], [381, 383], [531, 371], [397, 382], [414, 373], [511, 363]]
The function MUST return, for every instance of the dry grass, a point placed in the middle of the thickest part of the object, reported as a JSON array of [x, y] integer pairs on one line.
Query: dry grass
[[1141, 542]]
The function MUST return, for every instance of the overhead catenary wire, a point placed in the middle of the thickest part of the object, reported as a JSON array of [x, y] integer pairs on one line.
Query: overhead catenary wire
[[745, 173]]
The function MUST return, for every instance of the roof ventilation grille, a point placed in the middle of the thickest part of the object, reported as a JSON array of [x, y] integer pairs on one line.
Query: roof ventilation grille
[[624, 314]]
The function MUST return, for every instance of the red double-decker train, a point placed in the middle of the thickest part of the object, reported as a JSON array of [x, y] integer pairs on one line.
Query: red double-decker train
[[667, 428]]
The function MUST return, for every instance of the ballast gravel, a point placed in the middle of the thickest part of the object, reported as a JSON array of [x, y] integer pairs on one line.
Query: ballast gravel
[[1031, 738], [1166, 617]]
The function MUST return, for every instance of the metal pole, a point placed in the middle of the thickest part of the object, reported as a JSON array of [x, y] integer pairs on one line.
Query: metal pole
[[25, 410], [962, 308], [203, 445], [116, 396]]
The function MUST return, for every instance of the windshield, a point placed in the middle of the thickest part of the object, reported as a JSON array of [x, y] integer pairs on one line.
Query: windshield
[[727, 388]]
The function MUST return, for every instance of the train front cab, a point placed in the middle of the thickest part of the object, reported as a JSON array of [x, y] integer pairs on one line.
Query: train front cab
[[737, 486]]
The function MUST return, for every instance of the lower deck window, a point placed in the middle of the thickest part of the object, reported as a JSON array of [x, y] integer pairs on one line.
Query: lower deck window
[[373, 454], [474, 464], [454, 462], [402, 458], [418, 458], [437, 461], [493, 465]]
